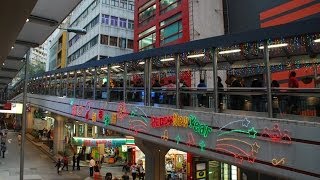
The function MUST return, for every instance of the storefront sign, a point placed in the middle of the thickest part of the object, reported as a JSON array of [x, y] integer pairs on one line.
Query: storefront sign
[[116, 142]]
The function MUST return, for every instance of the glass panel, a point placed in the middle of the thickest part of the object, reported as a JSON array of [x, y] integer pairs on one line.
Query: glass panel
[[147, 14], [135, 83], [171, 32], [71, 84], [116, 82], [147, 42], [80, 83], [102, 81], [53, 85], [147, 31], [64, 84], [89, 83]]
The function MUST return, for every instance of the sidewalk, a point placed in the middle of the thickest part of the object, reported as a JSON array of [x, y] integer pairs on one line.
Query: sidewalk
[[115, 170]]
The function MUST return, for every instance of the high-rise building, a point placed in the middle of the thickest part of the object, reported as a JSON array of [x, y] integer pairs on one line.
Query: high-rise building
[[109, 26], [38, 54], [58, 51], [167, 22]]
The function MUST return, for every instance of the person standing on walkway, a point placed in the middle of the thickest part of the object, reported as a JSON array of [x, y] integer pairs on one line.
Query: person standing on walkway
[[92, 163], [134, 171], [19, 139], [73, 161], [58, 165], [3, 148], [78, 161]]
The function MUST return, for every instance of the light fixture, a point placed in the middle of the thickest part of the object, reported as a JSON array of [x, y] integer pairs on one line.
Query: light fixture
[[167, 59], [142, 62], [78, 72], [115, 66], [27, 20], [104, 68], [92, 70], [230, 51], [12, 47], [275, 45], [317, 40], [195, 56], [3, 64]]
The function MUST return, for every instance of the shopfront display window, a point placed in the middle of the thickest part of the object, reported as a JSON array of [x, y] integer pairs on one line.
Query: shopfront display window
[[176, 164]]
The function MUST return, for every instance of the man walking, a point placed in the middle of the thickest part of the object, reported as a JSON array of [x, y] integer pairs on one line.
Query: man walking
[[65, 162], [92, 163], [73, 162], [78, 161], [3, 148], [58, 165]]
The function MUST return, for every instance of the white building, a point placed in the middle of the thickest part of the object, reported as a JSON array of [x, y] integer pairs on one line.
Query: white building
[[39, 54], [109, 26]]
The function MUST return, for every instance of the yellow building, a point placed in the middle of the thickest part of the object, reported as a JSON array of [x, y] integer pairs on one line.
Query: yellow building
[[58, 51]]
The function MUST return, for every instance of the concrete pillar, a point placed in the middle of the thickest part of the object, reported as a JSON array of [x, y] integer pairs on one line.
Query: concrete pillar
[[29, 124], [58, 136], [85, 130], [155, 159]]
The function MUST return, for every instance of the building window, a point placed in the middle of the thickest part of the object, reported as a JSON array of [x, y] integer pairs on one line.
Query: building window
[[130, 44], [147, 42], [105, 1], [130, 24], [104, 39], [123, 4], [171, 32], [153, 28], [122, 42], [114, 21], [123, 23], [131, 5], [167, 5], [105, 19], [171, 19], [147, 14], [115, 3], [113, 41]]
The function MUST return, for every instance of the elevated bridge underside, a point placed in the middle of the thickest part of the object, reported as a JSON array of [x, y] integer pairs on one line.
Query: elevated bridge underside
[[279, 147]]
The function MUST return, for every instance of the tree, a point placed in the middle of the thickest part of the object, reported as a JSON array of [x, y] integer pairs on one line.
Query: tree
[[36, 67]]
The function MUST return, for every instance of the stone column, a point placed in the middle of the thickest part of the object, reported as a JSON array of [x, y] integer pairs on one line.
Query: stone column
[[58, 137], [155, 159]]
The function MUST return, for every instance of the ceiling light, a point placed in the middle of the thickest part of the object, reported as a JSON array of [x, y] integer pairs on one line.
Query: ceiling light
[[27, 20], [78, 72], [167, 59], [12, 47], [317, 40], [195, 56], [2, 63], [230, 51], [104, 68], [92, 70], [275, 45], [115, 66], [142, 62]]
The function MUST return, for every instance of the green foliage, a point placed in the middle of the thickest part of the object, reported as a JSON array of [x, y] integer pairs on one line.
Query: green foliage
[[36, 67]]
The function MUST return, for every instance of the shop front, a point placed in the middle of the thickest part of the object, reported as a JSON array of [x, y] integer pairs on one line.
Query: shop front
[[106, 150]]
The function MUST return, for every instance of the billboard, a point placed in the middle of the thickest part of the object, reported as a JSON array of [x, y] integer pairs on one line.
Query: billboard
[[16, 108], [244, 15]]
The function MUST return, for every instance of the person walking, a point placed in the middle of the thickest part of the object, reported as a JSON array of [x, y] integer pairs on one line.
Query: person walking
[[96, 169], [92, 163], [125, 176], [3, 148], [141, 172], [19, 139], [78, 161], [73, 161], [134, 171], [58, 165], [65, 162]]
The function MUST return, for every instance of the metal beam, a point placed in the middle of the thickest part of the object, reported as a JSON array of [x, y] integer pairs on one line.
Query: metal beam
[[5, 78], [43, 21], [26, 43], [15, 58], [8, 69]]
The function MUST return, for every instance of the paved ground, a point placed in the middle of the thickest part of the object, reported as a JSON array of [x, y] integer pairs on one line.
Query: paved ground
[[38, 166]]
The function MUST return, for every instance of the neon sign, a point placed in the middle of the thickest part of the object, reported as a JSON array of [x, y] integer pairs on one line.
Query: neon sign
[[180, 121], [277, 162], [113, 118], [94, 117], [251, 132], [122, 111], [165, 135], [178, 139], [276, 135], [106, 120], [158, 122], [199, 127]]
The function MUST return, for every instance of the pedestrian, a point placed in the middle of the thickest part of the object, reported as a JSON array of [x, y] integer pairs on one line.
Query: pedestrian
[[19, 139], [3, 148], [65, 162], [141, 171], [92, 163], [78, 161], [125, 176], [96, 169], [202, 98], [108, 176], [58, 165], [134, 171], [73, 161]]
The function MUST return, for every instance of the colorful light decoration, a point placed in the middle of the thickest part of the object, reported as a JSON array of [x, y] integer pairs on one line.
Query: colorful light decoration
[[276, 135], [113, 118], [178, 139], [71, 101], [100, 114], [164, 121], [122, 111], [94, 117], [165, 135], [180, 121], [106, 120], [277, 162], [251, 132], [200, 128], [191, 141], [254, 147], [202, 145], [245, 123]]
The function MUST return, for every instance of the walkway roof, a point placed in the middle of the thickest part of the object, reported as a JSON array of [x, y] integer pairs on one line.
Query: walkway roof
[[44, 17]]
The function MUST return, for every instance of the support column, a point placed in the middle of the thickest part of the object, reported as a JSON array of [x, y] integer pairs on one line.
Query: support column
[[58, 136], [155, 159], [29, 123], [215, 80], [268, 79]]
